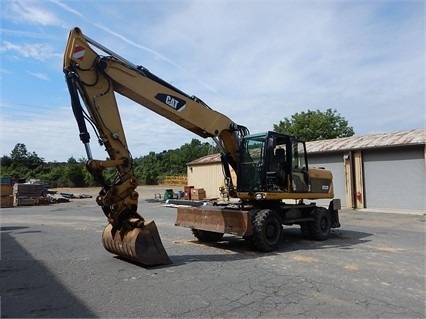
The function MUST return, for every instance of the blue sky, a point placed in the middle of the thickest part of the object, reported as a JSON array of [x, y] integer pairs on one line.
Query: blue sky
[[255, 61]]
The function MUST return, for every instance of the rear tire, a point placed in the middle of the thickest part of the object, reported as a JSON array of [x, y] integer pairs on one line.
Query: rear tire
[[267, 230], [207, 236], [321, 225]]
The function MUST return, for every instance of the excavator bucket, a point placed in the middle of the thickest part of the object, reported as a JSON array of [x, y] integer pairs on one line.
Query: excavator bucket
[[142, 245]]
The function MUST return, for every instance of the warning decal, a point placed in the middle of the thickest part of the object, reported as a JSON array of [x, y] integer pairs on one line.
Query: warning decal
[[78, 53]]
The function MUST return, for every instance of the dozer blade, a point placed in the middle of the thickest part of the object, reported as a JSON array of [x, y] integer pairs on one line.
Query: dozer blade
[[142, 245], [215, 219]]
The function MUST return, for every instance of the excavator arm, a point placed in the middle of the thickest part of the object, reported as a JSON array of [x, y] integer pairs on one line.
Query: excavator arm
[[95, 79]]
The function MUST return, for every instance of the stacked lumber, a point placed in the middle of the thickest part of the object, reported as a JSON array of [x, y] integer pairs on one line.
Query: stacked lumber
[[25, 194], [6, 193], [174, 180]]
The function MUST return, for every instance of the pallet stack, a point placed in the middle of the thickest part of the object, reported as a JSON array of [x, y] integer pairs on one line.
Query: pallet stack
[[198, 194], [6, 193], [27, 194]]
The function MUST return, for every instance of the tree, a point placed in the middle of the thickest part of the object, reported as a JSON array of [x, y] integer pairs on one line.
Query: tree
[[151, 168], [20, 156], [72, 160], [315, 125], [74, 173], [5, 161], [147, 168]]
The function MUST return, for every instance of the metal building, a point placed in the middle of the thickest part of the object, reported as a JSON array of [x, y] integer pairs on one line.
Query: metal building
[[379, 171], [206, 172]]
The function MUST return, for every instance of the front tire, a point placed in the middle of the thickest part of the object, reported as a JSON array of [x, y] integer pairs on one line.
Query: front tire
[[267, 230]]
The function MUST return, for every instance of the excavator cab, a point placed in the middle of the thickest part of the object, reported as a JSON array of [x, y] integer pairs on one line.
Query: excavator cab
[[272, 162]]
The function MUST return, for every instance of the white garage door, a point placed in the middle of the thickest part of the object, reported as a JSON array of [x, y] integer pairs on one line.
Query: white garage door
[[395, 178]]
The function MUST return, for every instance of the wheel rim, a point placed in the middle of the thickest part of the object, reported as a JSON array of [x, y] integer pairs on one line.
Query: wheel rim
[[272, 232]]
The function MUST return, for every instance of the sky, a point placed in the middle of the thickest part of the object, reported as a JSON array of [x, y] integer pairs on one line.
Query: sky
[[257, 62]]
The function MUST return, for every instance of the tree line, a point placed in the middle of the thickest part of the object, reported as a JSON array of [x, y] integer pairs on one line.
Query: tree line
[[152, 168], [149, 169]]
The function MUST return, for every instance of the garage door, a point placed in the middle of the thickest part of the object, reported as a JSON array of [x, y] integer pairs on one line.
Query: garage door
[[395, 178], [334, 163]]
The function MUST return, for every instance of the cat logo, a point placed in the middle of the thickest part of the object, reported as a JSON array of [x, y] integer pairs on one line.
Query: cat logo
[[174, 102], [171, 102]]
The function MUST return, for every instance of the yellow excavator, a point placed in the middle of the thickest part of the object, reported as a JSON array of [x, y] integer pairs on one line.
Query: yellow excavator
[[273, 177]]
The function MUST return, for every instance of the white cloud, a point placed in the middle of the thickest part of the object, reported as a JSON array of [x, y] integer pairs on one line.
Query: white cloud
[[29, 34], [48, 133], [67, 8], [37, 51], [41, 76], [30, 12], [4, 71]]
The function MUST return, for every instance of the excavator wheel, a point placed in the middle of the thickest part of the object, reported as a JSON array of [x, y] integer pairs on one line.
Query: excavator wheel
[[267, 231], [142, 245], [321, 225], [319, 228]]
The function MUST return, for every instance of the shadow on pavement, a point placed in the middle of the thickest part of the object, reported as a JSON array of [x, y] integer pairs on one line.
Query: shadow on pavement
[[341, 239], [29, 289], [292, 241]]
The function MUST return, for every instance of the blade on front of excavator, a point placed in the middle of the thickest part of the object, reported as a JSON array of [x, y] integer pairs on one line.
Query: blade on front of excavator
[[142, 245]]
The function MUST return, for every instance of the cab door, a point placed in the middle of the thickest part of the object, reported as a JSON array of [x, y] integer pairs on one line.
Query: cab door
[[299, 168]]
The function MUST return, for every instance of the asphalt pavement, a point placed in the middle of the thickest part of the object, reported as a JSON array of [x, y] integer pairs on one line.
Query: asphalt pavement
[[53, 265]]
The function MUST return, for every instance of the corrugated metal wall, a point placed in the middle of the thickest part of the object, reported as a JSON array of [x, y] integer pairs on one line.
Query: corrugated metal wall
[[209, 177], [334, 163], [388, 178]]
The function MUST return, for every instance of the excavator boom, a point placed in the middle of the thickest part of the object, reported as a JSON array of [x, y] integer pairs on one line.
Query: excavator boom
[[145, 88], [95, 79]]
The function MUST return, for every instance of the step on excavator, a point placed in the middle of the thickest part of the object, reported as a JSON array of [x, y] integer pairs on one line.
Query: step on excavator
[[273, 179]]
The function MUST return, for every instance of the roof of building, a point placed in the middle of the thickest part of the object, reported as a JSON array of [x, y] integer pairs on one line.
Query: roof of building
[[401, 138], [396, 139], [208, 159]]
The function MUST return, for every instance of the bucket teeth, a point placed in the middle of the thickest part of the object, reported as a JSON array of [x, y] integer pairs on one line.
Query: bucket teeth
[[142, 245]]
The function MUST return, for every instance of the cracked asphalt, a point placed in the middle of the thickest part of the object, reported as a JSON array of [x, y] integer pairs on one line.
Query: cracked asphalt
[[53, 265]]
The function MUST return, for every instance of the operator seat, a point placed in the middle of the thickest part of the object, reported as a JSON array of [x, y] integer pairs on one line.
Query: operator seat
[[280, 165]]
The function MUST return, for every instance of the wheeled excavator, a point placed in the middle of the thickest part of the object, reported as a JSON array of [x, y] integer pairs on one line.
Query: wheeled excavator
[[273, 179]]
